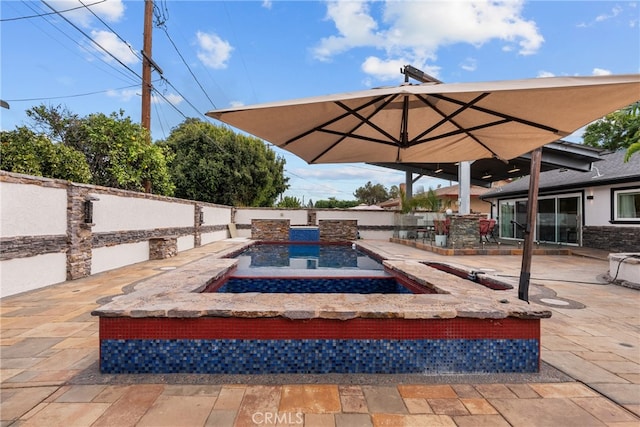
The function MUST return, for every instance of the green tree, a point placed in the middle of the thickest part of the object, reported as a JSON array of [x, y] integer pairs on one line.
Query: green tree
[[617, 130], [394, 192], [371, 194], [289, 202], [214, 164], [24, 151], [332, 203], [118, 151]]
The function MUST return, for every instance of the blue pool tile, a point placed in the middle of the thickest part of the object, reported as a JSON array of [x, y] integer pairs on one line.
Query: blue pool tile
[[318, 356]]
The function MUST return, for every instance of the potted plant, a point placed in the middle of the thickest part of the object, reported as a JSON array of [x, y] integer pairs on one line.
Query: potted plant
[[433, 203]]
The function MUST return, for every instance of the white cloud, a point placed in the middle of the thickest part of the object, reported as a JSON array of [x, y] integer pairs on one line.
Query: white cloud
[[212, 50], [606, 16], [543, 73], [170, 97], [601, 72], [355, 26], [469, 64], [388, 69], [235, 104], [111, 43], [383, 69], [109, 10], [267, 4], [416, 30], [124, 95]]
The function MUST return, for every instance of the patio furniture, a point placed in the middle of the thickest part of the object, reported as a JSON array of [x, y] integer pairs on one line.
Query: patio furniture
[[486, 230]]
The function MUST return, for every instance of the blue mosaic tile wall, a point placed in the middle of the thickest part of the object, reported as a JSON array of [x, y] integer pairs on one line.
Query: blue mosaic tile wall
[[319, 356], [343, 285], [304, 234]]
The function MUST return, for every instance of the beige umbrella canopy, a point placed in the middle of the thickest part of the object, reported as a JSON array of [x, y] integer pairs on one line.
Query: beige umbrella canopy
[[438, 122], [434, 122]]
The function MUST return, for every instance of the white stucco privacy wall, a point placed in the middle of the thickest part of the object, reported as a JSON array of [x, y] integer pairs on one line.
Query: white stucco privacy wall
[[114, 213], [295, 216], [32, 210], [110, 257], [25, 274], [215, 215]]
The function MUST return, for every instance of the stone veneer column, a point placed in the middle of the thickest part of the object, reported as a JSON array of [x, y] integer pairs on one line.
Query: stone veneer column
[[311, 217], [197, 225], [273, 230], [79, 234], [464, 231], [337, 230]]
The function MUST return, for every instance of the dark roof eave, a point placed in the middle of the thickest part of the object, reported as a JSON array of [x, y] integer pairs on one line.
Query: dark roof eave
[[559, 188]]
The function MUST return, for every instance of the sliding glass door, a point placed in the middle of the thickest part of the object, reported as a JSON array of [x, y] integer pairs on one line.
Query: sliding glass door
[[558, 219]]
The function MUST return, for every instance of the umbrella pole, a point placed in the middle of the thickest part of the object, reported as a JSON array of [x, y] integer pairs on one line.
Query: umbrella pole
[[532, 210]]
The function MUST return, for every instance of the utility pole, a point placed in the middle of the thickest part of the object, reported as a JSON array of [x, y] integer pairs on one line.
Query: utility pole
[[146, 76], [146, 66]]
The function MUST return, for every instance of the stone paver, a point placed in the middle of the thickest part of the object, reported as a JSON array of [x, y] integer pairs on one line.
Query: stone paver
[[178, 410], [48, 337], [384, 399], [544, 412]]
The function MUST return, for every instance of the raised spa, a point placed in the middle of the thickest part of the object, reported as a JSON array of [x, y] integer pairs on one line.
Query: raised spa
[[168, 325]]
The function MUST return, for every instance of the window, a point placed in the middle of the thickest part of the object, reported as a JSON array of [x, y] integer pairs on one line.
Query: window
[[558, 219], [626, 205]]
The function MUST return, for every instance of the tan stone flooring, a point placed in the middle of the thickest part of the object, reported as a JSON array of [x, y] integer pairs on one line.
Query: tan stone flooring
[[48, 336]]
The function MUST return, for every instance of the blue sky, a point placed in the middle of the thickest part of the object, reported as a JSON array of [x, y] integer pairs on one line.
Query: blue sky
[[247, 52]]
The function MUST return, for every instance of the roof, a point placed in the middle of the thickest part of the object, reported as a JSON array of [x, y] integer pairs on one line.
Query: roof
[[558, 154], [454, 190], [610, 170], [450, 191]]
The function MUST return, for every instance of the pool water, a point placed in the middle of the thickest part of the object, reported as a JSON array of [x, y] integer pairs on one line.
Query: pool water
[[306, 257], [324, 285]]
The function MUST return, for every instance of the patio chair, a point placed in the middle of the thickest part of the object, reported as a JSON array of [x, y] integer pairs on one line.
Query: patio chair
[[486, 230]]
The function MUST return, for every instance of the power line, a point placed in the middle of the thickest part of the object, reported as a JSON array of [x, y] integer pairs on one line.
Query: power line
[[244, 65], [112, 30], [49, 13], [183, 97], [93, 41], [71, 96], [187, 65], [60, 30]]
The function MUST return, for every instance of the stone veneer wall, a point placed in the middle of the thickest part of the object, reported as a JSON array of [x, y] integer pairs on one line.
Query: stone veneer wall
[[80, 240], [336, 230], [163, 247], [273, 230], [464, 231], [613, 239]]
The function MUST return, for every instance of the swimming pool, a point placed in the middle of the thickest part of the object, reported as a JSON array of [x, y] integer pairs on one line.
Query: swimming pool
[[305, 256], [327, 268]]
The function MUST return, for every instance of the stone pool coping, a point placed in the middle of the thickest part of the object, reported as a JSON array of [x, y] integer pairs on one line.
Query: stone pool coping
[[177, 294]]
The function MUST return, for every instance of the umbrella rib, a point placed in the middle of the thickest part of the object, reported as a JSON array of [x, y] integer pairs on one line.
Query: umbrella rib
[[497, 113], [363, 120], [366, 119], [467, 130], [445, 118], [449, 118], [338, 118]]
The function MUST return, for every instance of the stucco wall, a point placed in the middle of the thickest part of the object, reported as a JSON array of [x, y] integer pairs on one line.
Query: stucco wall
[[46, 240], [115, 212], [32, 210]]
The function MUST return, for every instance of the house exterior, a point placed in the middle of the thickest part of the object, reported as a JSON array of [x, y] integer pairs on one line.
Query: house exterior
[[450, 195], [598, 209]]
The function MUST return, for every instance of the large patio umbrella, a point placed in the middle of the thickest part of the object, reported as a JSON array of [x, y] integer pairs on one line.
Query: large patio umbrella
[[431, 122], [437, 122]]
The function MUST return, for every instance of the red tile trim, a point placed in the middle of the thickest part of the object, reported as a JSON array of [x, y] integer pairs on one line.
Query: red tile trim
[[281, 328]]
